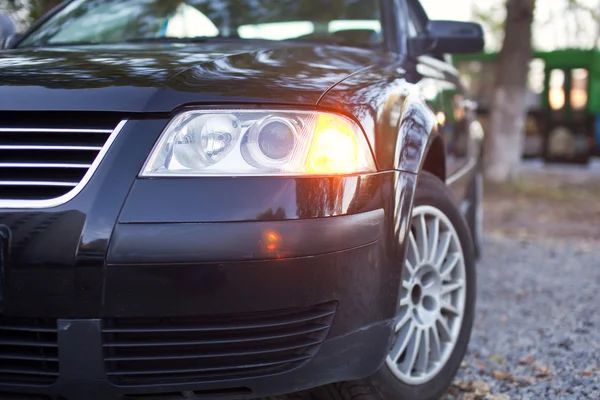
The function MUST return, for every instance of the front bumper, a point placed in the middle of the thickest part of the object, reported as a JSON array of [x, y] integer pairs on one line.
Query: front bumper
[[201, 287]]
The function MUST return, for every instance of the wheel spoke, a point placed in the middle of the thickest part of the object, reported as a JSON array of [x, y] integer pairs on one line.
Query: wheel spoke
[[451, 287], [400, 344], [449, 307], [436, 347], [403, 321], [409, 267], [444, 329], [415, 250], [442, 251], [434, 238], [448, 267], [412, 351], [422, 239], [423, 356]]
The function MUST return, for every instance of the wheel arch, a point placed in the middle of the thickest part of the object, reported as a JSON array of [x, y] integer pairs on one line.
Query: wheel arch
[[420, 146], [434, 160]]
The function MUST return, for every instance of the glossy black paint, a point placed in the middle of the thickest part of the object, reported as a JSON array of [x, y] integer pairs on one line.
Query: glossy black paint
[[162, 78], [179, 243], [84, 261], [250, 198]]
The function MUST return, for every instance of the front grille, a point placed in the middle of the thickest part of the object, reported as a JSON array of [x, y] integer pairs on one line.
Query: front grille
[[43, 158], [176, 350], [28, 351]]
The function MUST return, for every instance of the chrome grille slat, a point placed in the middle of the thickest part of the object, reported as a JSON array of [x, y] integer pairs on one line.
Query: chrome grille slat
[[37, 183], [43, 165], [54, 130], [48, 165], [42, 147]]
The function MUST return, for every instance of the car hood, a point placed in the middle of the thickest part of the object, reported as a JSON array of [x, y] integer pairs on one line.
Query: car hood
[[160, 78]]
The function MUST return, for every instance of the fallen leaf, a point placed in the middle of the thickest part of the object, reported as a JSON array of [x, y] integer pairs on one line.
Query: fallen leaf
[[587, 372], [497, 358], [524, 380], [463, 385], [527, 361], [501, 375], [498, 397], [480, 387], [480, 364], [541, 371]]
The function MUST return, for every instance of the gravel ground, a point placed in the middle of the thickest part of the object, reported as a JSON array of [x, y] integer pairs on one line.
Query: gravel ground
[[537, 330]]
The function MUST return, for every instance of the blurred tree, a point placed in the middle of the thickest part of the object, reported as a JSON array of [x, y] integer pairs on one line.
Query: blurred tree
[[30, 10], [586, 34], [492, 17], [509, 110], [557, 24]]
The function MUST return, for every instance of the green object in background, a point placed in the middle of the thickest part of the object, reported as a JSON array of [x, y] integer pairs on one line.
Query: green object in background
[[564, 111]]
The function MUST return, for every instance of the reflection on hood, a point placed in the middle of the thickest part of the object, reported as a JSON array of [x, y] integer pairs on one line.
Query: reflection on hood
[[215, 71]]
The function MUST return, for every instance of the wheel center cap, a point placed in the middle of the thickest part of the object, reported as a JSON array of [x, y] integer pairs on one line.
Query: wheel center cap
[[425, 294]]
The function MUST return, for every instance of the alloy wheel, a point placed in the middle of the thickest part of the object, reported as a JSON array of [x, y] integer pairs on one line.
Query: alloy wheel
[[432, 298]]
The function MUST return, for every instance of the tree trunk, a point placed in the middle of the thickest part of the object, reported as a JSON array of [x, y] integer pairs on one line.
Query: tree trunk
[[509, 111], [40, 7]]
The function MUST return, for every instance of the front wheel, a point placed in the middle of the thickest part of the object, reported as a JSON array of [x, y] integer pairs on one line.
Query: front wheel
[[437, 299], [435, 311]]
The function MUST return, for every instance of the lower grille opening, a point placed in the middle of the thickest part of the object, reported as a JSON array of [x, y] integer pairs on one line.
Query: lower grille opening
[[28, 351], [23, 396], [192, 394], [214, 348]]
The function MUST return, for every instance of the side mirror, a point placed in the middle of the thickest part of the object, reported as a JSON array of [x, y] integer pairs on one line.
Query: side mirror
[[450, 37], [8, 31]]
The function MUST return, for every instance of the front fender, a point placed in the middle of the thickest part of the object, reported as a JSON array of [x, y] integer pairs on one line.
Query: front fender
[[418, 130]]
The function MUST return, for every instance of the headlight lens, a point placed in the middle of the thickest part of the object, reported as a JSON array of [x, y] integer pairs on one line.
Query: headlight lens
[[247, 142], [205, 140]]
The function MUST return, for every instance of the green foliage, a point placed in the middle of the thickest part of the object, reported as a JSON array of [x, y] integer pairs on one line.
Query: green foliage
[[492, 17], [27, 11]]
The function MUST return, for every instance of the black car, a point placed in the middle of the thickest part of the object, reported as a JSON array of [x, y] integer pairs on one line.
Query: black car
[[236, 199]]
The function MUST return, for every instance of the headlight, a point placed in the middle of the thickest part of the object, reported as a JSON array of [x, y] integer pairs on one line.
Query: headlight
[[246, 142]]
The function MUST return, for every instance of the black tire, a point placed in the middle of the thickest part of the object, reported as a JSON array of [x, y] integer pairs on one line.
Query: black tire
[[474, 213], [384, 385]]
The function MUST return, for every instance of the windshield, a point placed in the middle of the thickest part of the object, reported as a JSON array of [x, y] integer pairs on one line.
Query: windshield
[[347, 22]]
